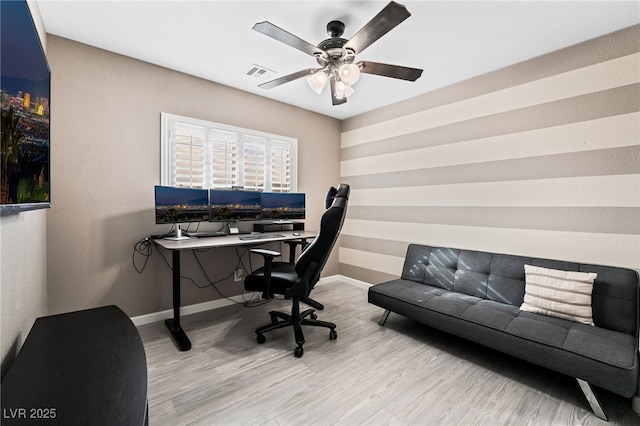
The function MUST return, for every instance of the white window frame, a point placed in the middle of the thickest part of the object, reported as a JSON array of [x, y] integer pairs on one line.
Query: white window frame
[[167, 154]]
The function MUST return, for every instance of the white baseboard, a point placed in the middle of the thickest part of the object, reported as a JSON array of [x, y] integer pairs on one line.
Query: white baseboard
[[348, 280], [185, 310], [220, 303]]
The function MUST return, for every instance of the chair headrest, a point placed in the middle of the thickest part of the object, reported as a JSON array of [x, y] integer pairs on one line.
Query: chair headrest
[[328, 199], [333, 193], [341, 197], [343, 191]]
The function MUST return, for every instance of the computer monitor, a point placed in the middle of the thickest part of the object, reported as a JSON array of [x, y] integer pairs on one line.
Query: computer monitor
[[180, 205], [232, 205], [283, 206]]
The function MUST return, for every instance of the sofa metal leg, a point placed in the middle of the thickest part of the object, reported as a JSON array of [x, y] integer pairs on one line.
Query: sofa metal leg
[[592, 399], [384, 317]]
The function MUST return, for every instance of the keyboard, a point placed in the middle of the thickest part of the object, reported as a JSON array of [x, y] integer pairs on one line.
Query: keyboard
[[260, 237]]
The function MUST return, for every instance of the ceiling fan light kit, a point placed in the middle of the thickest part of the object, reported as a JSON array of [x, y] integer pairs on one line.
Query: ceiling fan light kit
[[317, 80], [336, 55], [349, 73]]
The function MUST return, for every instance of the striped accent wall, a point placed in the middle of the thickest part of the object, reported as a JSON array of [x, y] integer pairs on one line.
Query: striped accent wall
[[541, 159]]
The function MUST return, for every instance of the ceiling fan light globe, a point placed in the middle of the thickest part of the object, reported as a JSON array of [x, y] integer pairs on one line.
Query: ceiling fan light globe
[[349, 73], [348, 91], [340, 90], [317, 81]]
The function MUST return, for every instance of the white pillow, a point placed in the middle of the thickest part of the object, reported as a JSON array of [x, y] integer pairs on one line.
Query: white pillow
[[556, 293]]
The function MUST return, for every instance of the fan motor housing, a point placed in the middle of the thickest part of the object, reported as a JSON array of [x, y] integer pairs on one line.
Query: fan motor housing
[[332, 43], [335, 29]]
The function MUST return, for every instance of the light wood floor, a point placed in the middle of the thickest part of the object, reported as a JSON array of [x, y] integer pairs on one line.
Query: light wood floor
[[400, 374]]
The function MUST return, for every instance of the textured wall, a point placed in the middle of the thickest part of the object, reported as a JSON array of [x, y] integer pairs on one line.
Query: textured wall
[[107, 154], [541, 158]]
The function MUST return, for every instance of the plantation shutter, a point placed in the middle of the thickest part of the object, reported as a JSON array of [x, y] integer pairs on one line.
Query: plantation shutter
[[202, 154], [253, 157], [224, 158], [280, 159], [189, 157]]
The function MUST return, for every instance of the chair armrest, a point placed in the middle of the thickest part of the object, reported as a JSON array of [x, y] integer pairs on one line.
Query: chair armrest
[[266, 253], [268, 256]]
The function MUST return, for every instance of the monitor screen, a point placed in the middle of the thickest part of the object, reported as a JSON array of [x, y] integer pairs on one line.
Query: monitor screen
[[283, 205], [227, 204], [178, 205]]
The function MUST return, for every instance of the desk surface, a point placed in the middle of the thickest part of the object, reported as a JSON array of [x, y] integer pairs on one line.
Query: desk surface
[[79, 368], [231, 240]]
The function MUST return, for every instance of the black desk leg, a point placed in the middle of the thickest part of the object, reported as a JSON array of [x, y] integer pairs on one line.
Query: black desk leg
[[180, 337]]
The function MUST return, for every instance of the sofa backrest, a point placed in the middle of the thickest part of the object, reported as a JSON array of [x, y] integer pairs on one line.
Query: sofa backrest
[[500, 277]]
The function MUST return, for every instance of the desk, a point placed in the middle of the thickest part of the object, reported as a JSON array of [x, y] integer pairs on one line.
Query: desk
[[176, 247], [79, 368]]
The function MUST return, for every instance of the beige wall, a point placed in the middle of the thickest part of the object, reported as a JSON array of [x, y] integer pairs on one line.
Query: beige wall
[[541, 159], [23, 264], [106, 128]]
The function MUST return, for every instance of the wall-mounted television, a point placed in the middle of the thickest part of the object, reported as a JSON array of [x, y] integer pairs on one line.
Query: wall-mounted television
[[181, 205], [283, 206], [25, 81], [232, 205]]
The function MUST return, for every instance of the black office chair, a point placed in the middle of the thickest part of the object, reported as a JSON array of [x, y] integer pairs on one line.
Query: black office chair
[[297, 280], [293, 244]]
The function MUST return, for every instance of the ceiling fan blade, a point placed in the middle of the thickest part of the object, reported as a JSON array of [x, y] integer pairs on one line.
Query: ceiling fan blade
[[287, 78], [387, 70], [387, 19], [334, 99], [268, 29]]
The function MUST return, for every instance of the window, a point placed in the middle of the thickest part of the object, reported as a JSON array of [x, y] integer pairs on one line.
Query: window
[[202, 154]]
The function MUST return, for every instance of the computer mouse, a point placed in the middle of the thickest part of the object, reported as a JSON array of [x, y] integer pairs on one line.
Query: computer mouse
[[296, 234]]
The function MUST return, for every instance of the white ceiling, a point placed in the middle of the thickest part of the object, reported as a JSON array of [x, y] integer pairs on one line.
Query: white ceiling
[[451, 41]]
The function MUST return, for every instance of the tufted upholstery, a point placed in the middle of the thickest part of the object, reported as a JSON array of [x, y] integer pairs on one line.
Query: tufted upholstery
[[477, 295]]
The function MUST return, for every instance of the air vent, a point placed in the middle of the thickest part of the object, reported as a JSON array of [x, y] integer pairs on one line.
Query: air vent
[[258, 71]]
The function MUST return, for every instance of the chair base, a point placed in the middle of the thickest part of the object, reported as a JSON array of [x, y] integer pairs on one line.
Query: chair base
[[295, 320]]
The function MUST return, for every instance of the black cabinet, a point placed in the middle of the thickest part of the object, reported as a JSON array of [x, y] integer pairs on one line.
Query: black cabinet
[[80, 368]]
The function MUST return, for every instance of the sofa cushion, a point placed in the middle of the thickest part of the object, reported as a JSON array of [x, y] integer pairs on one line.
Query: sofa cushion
[[562, 294], [491, 314], [615, 298], [506, 280], [441, 267]]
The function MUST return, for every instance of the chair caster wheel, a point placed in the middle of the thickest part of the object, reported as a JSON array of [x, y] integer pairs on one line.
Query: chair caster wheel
[[261, 339], [333, 335], [298, 352]]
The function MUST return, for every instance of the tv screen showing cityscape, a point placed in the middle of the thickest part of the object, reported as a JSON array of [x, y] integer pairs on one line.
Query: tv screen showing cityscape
[[283, 205], [234, 205], [25, 91], [179, 205]]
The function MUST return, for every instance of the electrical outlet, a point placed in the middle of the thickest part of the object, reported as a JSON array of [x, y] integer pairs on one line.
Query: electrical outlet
[[238, 275]]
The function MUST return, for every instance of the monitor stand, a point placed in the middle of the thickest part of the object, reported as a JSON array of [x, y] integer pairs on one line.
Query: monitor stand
[[233, 228], [179, 235]]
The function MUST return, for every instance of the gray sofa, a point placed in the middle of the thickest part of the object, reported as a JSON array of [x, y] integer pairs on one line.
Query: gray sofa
[[477, 296]]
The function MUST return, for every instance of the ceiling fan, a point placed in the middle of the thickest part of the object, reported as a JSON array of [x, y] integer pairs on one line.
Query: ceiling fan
[[336, 55]]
